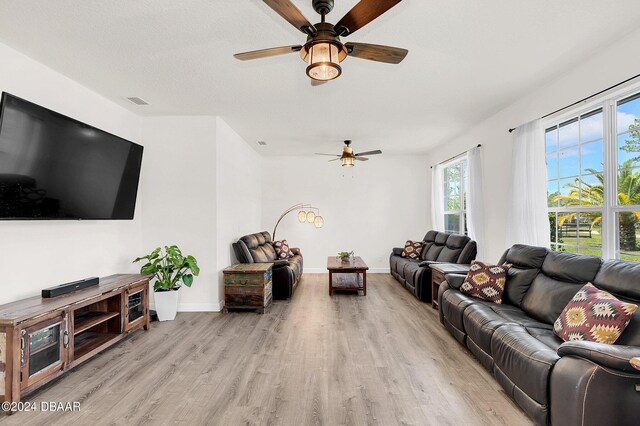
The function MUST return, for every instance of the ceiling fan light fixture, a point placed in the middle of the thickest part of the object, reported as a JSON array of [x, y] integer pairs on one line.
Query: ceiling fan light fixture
[[318, 222], [302, 216], [324, 61], [347, 161]]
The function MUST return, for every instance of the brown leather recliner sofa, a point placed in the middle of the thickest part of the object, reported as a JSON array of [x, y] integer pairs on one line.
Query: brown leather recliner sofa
[[439, 247], [256, 248], [554, 382]]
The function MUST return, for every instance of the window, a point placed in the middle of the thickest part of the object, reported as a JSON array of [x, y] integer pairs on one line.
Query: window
[[455, 197], [593, 189]]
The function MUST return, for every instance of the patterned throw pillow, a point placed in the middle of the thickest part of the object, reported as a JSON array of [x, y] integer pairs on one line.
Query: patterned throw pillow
[[593, 315], [282, 249], [485, 281], [412, 249]]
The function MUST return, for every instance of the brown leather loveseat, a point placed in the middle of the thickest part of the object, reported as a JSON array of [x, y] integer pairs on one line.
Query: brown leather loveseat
[[439, 247], [255, 248]]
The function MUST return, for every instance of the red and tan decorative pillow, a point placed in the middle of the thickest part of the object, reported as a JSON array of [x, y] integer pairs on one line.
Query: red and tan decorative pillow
[[412, 249], [594, 315], [282, 249], [485, 281]]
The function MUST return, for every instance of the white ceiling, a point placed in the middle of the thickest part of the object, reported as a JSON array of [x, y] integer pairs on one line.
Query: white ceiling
[[467, 59]]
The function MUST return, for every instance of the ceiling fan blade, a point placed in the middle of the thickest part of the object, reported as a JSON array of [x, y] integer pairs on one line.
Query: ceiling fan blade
[[361, 14], [377, 151], [362, 159], [288, 11], [332, 155], [265, 53], [377, 52], [335, 159], [315, 82]]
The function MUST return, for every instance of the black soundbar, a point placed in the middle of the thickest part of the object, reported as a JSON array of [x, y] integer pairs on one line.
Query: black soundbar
[[61, 289]]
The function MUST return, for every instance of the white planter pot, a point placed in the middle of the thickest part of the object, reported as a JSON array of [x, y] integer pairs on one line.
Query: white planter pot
[[166, 304]]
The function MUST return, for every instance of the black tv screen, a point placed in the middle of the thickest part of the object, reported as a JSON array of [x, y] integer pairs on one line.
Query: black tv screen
[[55, 167]]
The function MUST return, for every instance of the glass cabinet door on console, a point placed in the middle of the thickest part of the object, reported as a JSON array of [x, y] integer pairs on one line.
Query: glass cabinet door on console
[[43, 349], [136, 304]]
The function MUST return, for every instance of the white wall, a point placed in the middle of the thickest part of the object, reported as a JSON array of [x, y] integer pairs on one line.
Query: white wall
[[179, 187], [39, 254], [369, 208], [238, 192], [605, 68]]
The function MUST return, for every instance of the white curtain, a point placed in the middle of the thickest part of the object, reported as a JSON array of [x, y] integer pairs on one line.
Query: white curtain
[[437, 197], [475, 199], [527, 213]]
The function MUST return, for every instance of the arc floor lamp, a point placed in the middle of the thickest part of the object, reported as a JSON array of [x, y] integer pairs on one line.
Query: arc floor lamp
[[306, 213]]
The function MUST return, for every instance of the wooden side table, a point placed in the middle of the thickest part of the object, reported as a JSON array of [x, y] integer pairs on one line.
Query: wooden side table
[[438, 271], [248, 286]]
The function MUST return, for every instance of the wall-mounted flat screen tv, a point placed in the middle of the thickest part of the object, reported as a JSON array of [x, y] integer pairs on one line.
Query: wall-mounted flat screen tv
[[55, 167]]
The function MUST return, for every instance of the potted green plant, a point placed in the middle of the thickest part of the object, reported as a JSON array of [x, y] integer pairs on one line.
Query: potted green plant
[[170, 269], [345, 256]]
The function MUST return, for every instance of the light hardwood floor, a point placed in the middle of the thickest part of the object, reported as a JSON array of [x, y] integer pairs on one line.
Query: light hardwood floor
[[313, 360]]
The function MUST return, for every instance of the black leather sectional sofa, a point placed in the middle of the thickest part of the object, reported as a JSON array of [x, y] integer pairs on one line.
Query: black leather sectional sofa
[[562, 383], [256, 248], [440, 247]]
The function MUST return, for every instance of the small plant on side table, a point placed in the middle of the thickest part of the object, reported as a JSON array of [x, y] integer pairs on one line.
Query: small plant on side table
[[345, 255]]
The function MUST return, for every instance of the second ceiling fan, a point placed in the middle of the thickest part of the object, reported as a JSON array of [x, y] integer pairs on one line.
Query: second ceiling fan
[[348, 158], [324, 50]]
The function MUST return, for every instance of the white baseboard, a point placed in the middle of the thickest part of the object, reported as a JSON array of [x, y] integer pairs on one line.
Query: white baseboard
[[324, 271], [197, 307], [200, 307]]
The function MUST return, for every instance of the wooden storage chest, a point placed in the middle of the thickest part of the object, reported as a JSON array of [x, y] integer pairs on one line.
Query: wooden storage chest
[[248, 286]]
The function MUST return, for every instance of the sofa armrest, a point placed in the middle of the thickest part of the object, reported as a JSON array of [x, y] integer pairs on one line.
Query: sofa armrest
[[429, 262], [617, 357], [295, 251], [397, 251], [455, 280], [635, 362], [278, 263]]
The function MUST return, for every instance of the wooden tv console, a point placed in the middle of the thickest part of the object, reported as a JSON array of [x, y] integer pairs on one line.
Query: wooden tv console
[[41, 338]]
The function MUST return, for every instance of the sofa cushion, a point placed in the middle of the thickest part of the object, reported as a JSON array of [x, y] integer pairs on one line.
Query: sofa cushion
[[518, 282], [449, 255], [483, 318], [441, 238], [412, 249], [525, 359], [433, 252], [453, 306], [594, 315], [562, 275], [295, 263], [619, 278], [524, 256], [282, 250], [259, 255], [400, 263], [571, 267], [457, 241], [410, 271], [485, 281]]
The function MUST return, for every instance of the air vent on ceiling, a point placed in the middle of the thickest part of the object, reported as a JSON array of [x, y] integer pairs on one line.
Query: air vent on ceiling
[[136, 100], [263, 143]]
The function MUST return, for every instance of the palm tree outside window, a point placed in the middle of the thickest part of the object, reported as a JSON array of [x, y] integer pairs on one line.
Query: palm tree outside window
[[593, 169]]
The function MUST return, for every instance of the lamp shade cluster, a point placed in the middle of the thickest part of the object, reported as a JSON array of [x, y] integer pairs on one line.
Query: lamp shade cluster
[[311, 217]]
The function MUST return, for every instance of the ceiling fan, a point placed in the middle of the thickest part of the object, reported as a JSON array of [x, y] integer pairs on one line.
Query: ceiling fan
[[323, 51], [348, 158]]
